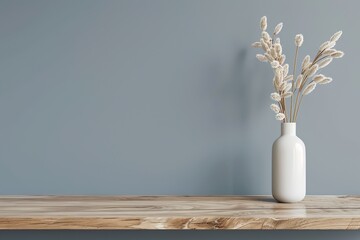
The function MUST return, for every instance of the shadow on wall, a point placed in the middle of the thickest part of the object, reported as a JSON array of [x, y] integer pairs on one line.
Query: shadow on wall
[[239, 100]]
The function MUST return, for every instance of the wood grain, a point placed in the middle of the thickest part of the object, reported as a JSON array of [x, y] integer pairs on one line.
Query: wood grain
[[178, 212]]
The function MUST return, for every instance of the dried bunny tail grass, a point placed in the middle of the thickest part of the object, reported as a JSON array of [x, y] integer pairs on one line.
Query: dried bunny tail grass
[[275, 96], [287, 95], [327, 45], [309, 88], [264, 46], [265, 35], [289, 78], [299, 39], [285, 70], [326, 80], [318, 78], [261, 58], [275, 108], [269, 57], [283, 86], [311, 71], [278, 48], [336, 36], [263, 23], [323, 63], [280, 116], [299, 80], [337, 54], [329, 52], [273, 53], [277, 40], [288, 87], [282, 59], [305, 62], [278, 28], [275, 64], [256, 45]]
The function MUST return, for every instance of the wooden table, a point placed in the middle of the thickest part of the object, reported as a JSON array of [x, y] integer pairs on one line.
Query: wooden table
[[178, 212]]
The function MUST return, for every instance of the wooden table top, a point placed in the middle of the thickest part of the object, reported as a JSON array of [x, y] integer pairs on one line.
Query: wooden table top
[[178, 212]]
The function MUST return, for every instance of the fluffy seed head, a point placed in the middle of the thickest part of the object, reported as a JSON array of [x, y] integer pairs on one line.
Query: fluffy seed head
[[278, 28], [311, 71], [299, 80], [263, 23], [261, 58], [256, 45], [277, 40], [309, 88], [337, 54], [323, 63], [327, 45], [282, 59], [289, 78], [280, 116], [286, 70], [287, 95], [336, 36], [329, 51], [275, 64], [299, 39], [318, 78], [278, 48], [305, 62], [264, 46], [275, 108], [275, 96], [265, 35], [326, 80]]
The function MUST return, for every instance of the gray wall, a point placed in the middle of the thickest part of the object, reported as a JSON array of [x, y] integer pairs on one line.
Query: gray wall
[[166, 97]]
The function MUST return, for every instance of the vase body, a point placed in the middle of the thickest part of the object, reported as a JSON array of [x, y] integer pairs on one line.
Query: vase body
[[288, 166]]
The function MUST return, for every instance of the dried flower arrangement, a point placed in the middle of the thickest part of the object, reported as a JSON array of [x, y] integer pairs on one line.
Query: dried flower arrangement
[[287, 86]]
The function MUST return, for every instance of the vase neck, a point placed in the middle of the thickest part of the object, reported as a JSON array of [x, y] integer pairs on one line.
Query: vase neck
[[288, 129]]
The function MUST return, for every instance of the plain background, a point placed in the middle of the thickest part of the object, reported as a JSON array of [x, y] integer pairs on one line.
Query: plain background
[[167, 97]]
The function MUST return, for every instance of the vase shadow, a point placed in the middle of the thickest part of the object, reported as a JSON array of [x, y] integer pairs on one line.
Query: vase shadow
[[238, 98]]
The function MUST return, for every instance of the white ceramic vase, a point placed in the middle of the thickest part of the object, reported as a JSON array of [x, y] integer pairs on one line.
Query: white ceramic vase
[[288, 166]]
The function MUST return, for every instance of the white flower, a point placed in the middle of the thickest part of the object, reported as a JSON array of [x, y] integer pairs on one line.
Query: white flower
[[280, 116], [278, 28], [263, 23], [275, 108], [261, 58], [336, 36], [275, 96], [299, 39], [275, 64], [309, 88]]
